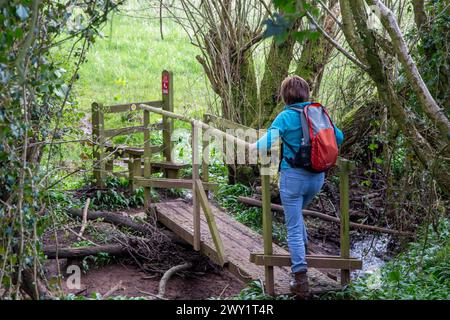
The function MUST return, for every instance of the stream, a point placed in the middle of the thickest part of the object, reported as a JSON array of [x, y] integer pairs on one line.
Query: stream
[[373, 251]]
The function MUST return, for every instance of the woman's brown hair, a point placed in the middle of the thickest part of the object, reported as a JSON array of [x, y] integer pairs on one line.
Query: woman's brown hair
[[294, 89]]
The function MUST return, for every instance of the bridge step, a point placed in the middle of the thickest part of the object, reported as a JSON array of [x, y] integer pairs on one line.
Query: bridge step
[[170, 183], [239, 242], [314, 261]]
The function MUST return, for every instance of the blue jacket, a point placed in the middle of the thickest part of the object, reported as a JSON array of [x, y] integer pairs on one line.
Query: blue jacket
[[288, 125]]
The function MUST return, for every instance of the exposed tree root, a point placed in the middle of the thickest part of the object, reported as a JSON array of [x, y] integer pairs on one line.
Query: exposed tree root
[[169, 273]]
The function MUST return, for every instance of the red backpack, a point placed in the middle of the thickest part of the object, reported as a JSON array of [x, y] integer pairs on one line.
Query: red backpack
[[318, 150]]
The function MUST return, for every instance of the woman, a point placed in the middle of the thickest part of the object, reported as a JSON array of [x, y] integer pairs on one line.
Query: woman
[[297, 186]]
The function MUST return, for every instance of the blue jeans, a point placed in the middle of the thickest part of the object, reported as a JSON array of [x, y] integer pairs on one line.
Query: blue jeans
[[297, 188]]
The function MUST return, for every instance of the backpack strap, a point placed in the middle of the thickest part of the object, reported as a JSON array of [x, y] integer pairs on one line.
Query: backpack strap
[[304, 124], [304, 135]]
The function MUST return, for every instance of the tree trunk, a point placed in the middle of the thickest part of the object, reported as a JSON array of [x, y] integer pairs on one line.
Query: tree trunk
[[315, 55], [377, 71], [276, 69], [81, 252]]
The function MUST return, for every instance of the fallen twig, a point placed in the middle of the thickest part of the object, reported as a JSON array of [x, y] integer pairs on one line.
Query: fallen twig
[[150, 294], [113, 289], [84, 223]]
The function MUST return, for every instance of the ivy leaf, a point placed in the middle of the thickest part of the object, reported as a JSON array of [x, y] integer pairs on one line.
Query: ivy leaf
[[313, 35], [22, 12], [394, 276]]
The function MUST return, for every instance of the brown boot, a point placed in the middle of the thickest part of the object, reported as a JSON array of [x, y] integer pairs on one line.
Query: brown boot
[[299, 285]]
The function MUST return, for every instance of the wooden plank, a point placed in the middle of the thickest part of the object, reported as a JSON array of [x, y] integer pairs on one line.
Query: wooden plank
[[238, 240], [211, 221], [167, 105], [134, 169], [213, 131], [171, 183], [121, 131], [187, 236], [267, 232], [195, 176], [98, 126], [130, 106], [313, 261], [130, 130], [345, 166], [147, 158], [205, 153]]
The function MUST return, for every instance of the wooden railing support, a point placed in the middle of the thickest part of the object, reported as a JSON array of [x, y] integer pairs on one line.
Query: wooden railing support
[[147, 158], [205, 152], [195, 176], [167, 105], [345, 166], [267, 232], [215, 235]]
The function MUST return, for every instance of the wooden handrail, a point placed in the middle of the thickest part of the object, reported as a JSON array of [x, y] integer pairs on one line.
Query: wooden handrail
[[197, 123]]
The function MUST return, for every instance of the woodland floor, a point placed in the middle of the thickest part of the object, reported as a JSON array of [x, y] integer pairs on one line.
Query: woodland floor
[[135, 282], [209, 281]]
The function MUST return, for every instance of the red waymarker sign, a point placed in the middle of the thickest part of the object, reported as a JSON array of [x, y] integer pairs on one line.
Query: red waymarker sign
[[165, 83]]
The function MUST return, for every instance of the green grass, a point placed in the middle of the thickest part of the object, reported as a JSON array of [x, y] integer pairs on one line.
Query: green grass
[[126, 64]]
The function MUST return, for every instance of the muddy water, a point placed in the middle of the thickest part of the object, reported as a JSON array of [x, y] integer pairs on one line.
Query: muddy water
[[373, 250]]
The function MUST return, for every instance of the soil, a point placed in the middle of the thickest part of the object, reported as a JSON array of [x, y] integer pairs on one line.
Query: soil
[[201, 283], [135, 283]]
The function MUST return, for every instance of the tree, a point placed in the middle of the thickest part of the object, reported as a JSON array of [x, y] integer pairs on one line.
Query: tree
[[228, 33], [34, 96]]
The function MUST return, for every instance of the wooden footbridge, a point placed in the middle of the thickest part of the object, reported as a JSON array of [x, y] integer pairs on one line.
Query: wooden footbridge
[[227, 242]]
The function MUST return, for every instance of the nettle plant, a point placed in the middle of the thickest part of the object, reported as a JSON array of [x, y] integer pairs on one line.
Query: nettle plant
[[34, 101]]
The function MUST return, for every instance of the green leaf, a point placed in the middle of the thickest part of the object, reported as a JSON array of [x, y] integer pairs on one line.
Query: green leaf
[[313, 35], [394, 275]]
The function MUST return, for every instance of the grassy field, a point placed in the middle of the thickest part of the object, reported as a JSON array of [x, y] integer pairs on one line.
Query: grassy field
[[126, 64]]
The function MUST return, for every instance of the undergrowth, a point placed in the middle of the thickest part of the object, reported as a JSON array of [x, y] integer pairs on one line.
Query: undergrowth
[[118, 196], [255, 291], [421, 272]]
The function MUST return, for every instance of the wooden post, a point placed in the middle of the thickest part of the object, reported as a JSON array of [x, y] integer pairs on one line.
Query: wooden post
[[345, 167], [267, 232], [205, 153], [147, 158], [167, 105], [134, 169], [195, 176], [98, 126]]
